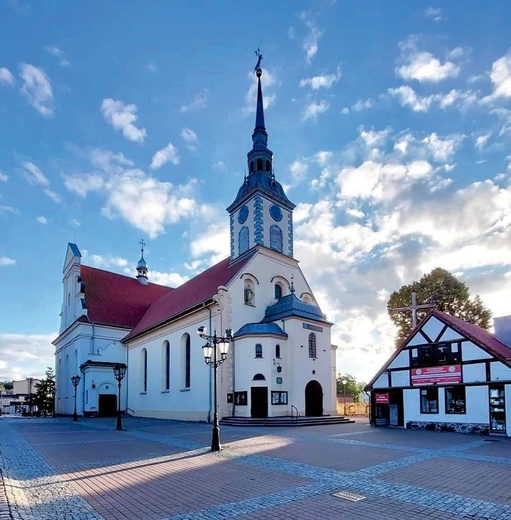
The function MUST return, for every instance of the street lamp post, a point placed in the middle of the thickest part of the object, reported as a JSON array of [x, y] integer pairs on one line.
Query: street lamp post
[[75, 380], [344, 394], [211, 359], [119, 372], [54, 407]]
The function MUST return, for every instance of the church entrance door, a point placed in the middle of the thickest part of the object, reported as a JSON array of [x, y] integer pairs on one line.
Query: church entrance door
[[313, 399], [107, 404], [259, 401]]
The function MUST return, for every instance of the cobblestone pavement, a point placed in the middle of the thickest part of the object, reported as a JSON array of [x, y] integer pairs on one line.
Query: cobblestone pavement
[[164, 470]]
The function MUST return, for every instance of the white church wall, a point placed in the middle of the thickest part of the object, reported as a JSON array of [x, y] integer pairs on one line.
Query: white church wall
[[179, 402]]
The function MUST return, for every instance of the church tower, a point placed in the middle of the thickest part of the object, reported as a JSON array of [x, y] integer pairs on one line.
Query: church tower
[[261, 214]]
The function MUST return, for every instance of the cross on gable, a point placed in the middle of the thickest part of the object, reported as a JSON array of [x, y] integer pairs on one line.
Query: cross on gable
[[414, 308]]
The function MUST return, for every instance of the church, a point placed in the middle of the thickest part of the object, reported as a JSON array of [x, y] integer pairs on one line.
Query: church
[[280, 360]]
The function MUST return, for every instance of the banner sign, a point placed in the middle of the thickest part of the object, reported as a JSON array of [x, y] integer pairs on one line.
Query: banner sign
[[439, 375], [382, 398]]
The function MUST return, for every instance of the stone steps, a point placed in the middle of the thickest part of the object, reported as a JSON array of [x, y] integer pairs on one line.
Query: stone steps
[[284, 421]]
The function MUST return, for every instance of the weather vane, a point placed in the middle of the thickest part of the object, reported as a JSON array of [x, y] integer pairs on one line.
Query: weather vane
[[257, 68]]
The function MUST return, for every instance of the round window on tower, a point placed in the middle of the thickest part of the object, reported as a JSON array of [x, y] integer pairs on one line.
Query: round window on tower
[[276, 213], [242, 215]]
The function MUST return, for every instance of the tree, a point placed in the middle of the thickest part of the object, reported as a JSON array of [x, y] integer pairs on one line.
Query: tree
[[353, 389], [448, 294], [44, 398]]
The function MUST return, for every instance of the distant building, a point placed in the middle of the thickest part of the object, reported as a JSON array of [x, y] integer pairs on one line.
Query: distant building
[[25, 386], [446, 375], [281, 355]]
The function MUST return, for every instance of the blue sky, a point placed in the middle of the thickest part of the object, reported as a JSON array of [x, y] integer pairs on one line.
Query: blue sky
[[390, 123]]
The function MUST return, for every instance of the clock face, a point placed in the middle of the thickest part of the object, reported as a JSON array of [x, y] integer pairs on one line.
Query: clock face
[[243, 214], [276, 213]]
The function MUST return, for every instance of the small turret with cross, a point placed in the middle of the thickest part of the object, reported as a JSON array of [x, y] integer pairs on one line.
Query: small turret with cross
[[142, 266]]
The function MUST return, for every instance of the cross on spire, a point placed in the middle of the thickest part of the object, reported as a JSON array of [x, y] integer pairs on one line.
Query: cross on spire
[[142, 244], [414, 308]]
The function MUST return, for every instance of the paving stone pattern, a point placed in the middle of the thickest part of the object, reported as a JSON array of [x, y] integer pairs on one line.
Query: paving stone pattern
[[164, 470]]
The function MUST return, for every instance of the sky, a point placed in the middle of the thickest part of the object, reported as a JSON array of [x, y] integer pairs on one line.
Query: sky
[[390, 124]]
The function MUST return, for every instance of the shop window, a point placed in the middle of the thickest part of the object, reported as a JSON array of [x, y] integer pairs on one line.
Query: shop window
[[429, 400], [455, 401], [258, 351], [279, 398], [312, 345]]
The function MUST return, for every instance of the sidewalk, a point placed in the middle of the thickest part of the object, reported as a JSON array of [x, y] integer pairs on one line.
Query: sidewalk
[[58, 469]]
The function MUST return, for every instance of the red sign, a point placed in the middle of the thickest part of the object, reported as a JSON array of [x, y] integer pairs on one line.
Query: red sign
[[382, 398], [439, 375]]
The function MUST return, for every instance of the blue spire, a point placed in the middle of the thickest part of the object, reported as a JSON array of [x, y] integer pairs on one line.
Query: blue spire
[[259, 125]]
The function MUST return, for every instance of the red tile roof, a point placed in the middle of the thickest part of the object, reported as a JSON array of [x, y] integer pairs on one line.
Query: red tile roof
[[479, 336], [189, 295], [117, 300]]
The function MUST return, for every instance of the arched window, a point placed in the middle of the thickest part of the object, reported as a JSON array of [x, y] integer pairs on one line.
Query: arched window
[[276, 238], [277, 351], [268, 166], [186, 361], [258, 351], [278, 291], [143, 369], [259, 164], [251, 166], [243, 240], [312, 345], [166, 365], [259, 377]]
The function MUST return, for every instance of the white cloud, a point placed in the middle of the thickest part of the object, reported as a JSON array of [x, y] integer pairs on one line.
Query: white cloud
[[423, 66], [7, 209], [310, 42], [408, 97], [190, 138], [58, 53], [6, 76], [163, 156], [442, 149], [53, 196], [37, 88], [168, 279], [122, 117], [5, 260], [482, 141], [34, 175], [433, 13], [362, 105], [41, 220], [3, 177], [501, 77], [325, 81], [199, 101], [26, 355], [312, 110], [83, 183], [108, 160]]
